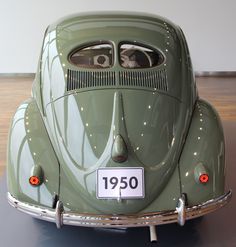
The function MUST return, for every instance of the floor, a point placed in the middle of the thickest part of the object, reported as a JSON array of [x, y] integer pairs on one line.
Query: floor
[[221, 92]]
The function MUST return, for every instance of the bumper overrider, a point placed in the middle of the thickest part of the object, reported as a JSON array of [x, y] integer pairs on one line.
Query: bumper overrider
[[180, 214]]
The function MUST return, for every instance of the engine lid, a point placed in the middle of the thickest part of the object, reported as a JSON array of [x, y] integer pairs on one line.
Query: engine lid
[[85, 127]]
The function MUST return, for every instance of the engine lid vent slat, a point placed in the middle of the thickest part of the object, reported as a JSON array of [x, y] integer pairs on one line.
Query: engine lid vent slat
[[155, 80], [86, 79]]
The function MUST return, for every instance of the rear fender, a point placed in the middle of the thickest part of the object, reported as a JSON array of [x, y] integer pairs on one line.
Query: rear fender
[[204, 149], [29, 147]]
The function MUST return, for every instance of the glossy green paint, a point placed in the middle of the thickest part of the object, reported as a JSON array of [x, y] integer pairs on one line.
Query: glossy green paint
[[153, 138], [204, 145], [28, 149], [79, 127]]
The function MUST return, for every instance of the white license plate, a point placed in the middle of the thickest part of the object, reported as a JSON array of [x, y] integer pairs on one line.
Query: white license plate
[[120, 183]]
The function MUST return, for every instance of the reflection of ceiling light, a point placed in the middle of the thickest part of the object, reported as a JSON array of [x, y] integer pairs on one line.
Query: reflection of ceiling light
[[173, 141], [145, 123]]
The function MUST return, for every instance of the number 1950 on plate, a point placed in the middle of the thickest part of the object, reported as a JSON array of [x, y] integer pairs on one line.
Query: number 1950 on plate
[[113, 183]]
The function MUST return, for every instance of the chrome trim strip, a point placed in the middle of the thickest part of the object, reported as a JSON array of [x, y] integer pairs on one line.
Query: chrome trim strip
[[136, 220]]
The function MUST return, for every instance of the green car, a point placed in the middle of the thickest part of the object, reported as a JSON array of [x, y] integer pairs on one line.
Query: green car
[[115, 134]]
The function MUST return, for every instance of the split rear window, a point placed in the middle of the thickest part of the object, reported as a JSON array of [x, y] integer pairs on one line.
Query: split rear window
[[131, 56]]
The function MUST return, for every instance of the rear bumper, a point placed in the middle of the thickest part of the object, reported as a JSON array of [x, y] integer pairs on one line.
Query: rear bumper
[[60, 217]]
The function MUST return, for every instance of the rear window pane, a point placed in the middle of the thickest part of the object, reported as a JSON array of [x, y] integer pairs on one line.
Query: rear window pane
[[138, 56], [93, 56]]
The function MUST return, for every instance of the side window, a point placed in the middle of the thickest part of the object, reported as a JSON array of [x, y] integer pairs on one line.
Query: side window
[[136, 56], [93, 56]]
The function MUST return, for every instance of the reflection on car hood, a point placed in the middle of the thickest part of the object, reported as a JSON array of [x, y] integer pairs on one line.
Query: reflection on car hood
[[84, 127]]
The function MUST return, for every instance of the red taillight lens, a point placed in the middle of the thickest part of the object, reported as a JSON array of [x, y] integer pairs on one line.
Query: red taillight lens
[[34, 180], [204, 178]]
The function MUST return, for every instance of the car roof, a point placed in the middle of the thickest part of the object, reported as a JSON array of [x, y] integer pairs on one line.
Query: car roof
[[110, 15], [83, 28]]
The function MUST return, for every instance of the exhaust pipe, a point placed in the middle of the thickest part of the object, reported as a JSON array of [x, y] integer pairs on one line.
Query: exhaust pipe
[[153, 234]]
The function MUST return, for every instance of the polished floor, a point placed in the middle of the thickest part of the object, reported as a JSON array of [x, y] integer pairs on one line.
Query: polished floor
[[220, 91]]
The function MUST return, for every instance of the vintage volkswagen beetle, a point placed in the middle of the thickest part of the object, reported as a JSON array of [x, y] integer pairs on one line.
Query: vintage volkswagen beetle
[[115, 134]]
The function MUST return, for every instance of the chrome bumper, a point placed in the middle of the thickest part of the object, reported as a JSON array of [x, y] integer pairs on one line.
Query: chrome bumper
[[60, 217]]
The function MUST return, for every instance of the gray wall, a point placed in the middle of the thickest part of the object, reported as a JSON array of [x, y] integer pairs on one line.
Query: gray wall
[[209, 26]]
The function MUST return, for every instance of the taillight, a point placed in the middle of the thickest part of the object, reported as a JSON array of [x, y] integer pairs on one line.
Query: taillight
[[201, 174], [36, 175], [204, 178], [34, 180]]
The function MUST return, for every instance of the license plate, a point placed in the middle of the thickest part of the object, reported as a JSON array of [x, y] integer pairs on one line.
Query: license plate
[[120, 183]]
